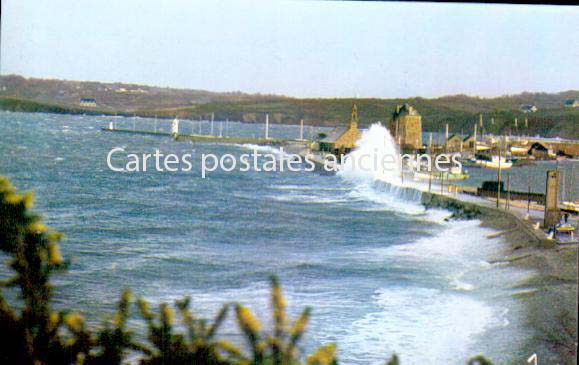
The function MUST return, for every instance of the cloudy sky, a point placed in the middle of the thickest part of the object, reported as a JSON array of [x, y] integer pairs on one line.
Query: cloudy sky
[[298, 48]]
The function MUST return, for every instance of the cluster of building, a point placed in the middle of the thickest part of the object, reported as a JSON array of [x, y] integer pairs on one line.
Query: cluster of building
[[544, 150], [341, 141], [531, 108], [87, 102], [406, 128]]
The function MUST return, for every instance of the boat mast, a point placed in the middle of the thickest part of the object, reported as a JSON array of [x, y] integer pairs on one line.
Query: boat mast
[[481, 125], [499, 175], [474, 139], [267, 126], [430, 166], [446, 139]]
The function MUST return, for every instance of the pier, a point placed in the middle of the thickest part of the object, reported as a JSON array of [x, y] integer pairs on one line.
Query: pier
[[527, 210], [178, 135], [214, 139]]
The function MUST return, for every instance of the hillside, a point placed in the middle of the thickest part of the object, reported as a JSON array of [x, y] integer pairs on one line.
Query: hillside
[[459, 111]]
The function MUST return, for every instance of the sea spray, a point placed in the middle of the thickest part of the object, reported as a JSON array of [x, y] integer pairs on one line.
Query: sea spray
[[334, 256], [438, 306], [373, 170], [262, 149], [375, 157]]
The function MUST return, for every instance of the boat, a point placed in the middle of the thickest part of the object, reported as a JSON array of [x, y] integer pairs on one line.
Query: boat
[[570, 207], [493, 162], [565, 228], [518, 150]]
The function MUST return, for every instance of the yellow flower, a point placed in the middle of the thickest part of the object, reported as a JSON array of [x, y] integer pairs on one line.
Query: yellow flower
[[12, 198], [323, 356], [127, 296], [53, 319], [299, 326], [28, 199], [54, 256], [229, 347], [168, 314], [144, 308], [118, 320], [37, 228], [74, 321], [248, 320], [278, 297], [279, 304], [143, 305]]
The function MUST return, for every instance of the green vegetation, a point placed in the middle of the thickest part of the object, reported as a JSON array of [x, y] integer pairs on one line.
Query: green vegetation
[[20, 105], [545, 122], [31, 333], [461, 112]]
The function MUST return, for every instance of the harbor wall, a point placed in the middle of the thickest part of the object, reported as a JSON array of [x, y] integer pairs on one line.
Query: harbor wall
[[215, 139], [459, 209], [491, 216]]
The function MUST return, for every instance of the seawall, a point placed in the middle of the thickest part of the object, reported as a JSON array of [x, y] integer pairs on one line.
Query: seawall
[[489, 215]]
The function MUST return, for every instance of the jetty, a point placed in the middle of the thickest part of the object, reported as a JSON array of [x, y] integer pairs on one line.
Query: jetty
[[177, 135], [524, 209], [214, 139]]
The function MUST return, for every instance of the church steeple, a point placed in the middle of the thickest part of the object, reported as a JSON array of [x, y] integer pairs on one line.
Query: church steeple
[[354, 118]]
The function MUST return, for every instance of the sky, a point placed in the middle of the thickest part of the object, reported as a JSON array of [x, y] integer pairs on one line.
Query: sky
[[297, 48]]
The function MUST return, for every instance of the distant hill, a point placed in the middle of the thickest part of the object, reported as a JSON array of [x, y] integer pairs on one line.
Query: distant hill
[[459, 111]]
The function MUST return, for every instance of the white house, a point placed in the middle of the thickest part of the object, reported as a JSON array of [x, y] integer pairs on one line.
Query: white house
[[88, 102], [529, 108]]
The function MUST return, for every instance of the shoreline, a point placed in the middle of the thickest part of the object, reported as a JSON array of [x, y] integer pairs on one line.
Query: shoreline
[[550, 294], [549, 301], [550, 297]]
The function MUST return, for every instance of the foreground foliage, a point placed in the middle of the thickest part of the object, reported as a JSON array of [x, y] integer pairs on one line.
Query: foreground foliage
[[31, 333]]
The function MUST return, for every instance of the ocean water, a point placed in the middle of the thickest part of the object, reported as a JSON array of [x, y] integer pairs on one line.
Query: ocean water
[[382, 274]]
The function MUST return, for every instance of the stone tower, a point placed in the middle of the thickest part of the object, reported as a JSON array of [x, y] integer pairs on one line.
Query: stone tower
[[406, 127]]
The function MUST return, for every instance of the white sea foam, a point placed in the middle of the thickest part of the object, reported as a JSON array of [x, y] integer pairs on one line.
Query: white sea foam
[[306, 187], [366, 161], [450, 242], [504, 316], [372, 181], [458, 284], [307, 199], [385, 200], [262, 149], [157, 189], [426, 326]]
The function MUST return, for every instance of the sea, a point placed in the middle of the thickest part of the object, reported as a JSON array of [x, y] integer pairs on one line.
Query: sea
[[382, 274]]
